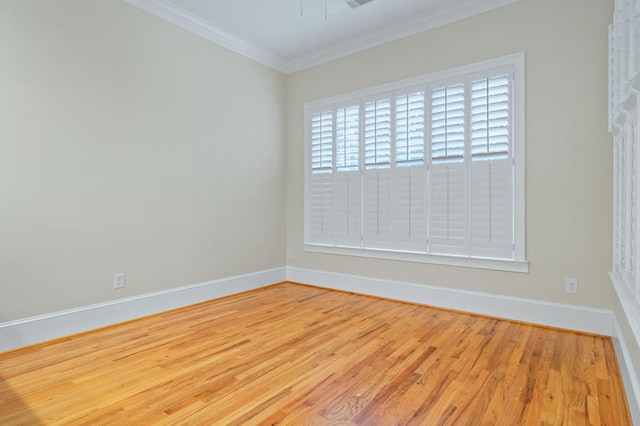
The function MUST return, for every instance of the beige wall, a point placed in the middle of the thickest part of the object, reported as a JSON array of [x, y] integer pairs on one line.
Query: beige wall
[[124, 138], [130, 145], [568, 147]]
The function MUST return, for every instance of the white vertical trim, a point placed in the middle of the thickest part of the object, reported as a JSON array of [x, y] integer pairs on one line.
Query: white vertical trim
[[518, 99], [629, 308], [468, 162], [610, 76], [630, 377]]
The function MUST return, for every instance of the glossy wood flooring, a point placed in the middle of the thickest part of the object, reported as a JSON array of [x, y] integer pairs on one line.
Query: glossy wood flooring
[[295, 355]]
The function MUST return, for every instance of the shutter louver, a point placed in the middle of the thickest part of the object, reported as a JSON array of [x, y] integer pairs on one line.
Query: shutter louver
[[622, 222], [409, 189], [322, 192], [377, 228], [377, 134], [410, 129], [447, 124], [447, 189], [409, 208], [632, 205], [490, 133], [348, 138], [491, 210], [347, 177], [348, 208], [491, 171], [322, 230], [448, 209], [322, 142]]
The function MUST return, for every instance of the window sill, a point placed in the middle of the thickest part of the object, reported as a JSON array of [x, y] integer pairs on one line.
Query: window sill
[[438, 259]]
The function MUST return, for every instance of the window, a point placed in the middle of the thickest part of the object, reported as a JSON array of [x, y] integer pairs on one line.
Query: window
[[429, 169], [624, 120]]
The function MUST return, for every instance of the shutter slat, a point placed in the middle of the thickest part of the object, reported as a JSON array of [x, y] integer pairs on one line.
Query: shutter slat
[[447, 124], [347, 208], [491, 209], [377, 226], [322, 142], [490, 121], [448, 209], [409, 208], [347, 138], [410, 129], [322, 230], [377, 138]]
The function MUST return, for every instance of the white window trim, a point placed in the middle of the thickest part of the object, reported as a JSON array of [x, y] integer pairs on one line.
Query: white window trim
[[436, 259], [519, 263]]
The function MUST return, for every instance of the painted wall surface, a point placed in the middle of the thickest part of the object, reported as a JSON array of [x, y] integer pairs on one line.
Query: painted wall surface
[[568, 147], [130, 145]]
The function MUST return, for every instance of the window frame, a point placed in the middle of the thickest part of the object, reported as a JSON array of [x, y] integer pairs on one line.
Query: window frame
[[515, 64]]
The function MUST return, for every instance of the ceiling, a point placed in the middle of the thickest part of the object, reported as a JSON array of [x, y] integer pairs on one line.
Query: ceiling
[[290, 35]]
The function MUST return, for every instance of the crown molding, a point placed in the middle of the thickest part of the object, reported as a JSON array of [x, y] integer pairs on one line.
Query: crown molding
[[406, 28], [452, 13], [177, 16]]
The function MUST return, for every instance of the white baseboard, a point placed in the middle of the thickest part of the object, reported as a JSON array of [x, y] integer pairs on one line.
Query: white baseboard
[[571, 317], [29, 331], [629, 376]]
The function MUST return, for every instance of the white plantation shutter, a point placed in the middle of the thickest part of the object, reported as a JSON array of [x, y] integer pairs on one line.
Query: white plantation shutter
[[347, 208], [410, 129], [448, 207], [322, 230], [348, 138], [491, 168], [447, 183], [491, 209], [322, 191], [447, 124], [409, 208], [409, 189], [347, 177], [322, 142], [624, 117], [377, 226], [490, 133], [622, 207], [434, 167], [377, 134], [633, 198]]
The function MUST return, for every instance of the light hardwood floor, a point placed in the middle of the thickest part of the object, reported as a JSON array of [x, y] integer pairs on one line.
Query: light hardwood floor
[[292, 354]]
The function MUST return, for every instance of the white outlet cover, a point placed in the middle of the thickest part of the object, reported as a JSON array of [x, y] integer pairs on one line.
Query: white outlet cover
[[118, 281], [571, 286]]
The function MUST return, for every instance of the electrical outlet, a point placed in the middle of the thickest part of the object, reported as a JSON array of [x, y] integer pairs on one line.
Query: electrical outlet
[[118, 281], [571, 286]]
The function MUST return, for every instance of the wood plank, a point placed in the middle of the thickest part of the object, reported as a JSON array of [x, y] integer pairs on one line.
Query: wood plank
[[294, 354]]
